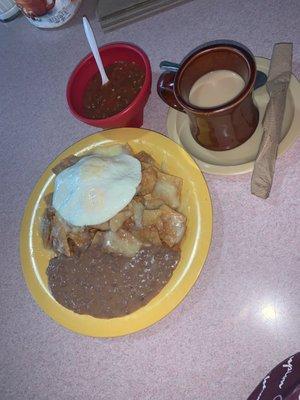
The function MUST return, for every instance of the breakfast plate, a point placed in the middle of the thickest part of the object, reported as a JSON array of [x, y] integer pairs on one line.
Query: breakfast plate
[[195, 205], [240, 159]]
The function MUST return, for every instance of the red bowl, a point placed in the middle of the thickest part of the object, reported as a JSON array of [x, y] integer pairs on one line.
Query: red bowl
[[132, 115]]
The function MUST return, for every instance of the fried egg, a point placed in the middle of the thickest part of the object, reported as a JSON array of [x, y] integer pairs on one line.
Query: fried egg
[[96, 188]]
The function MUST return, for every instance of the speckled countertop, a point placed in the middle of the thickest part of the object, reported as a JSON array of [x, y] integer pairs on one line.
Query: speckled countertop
[[242, 316]]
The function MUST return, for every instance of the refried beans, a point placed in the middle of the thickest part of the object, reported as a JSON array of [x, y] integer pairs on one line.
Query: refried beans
[[107, 285]]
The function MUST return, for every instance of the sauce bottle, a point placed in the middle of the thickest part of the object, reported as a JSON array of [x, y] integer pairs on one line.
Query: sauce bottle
[[48, 13]]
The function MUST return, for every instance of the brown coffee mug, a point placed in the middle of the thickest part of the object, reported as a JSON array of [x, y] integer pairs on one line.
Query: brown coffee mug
[[222, 127]]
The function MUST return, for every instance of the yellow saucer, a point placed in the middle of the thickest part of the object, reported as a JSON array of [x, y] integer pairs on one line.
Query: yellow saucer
[[240, 159], [196, 205]]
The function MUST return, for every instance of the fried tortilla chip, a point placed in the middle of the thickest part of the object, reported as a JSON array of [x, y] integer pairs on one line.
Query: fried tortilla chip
[[147, 235], [98, 239], [118, 220], [168, 189], [172, 226], [152, 203], [58, 236], [121, 242], [48, 199], [149, 177], [169, 223], [81, 237], [137, 208], [144, 157], [46, 226], [151, 217], [63, 238], [102, 227], [66, 163], [112, 150]]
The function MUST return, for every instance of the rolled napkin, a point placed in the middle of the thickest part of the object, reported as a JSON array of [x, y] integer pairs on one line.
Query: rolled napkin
[[277, 86]]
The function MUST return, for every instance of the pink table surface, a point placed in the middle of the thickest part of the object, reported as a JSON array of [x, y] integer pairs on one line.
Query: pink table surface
[[242, 316]]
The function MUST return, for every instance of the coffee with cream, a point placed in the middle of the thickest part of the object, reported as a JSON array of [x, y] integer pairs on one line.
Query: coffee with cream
[[216, 88]]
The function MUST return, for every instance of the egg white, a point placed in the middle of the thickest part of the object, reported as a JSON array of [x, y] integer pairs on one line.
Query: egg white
[[96, 188]]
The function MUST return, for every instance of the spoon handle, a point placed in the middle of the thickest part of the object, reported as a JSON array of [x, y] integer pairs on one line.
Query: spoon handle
[[169, 66], [93, 45]]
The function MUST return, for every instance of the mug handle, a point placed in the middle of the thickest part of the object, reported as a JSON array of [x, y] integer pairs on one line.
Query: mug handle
[[261, 79], [165, 84]]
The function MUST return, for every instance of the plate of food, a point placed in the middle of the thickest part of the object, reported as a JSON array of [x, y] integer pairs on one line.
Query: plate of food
[[116, 232]]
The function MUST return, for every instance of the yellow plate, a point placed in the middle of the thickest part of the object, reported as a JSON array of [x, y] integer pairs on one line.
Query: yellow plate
[[196, 205]]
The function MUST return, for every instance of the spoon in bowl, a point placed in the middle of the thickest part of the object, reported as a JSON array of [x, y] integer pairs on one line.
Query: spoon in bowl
[[93, 45]]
